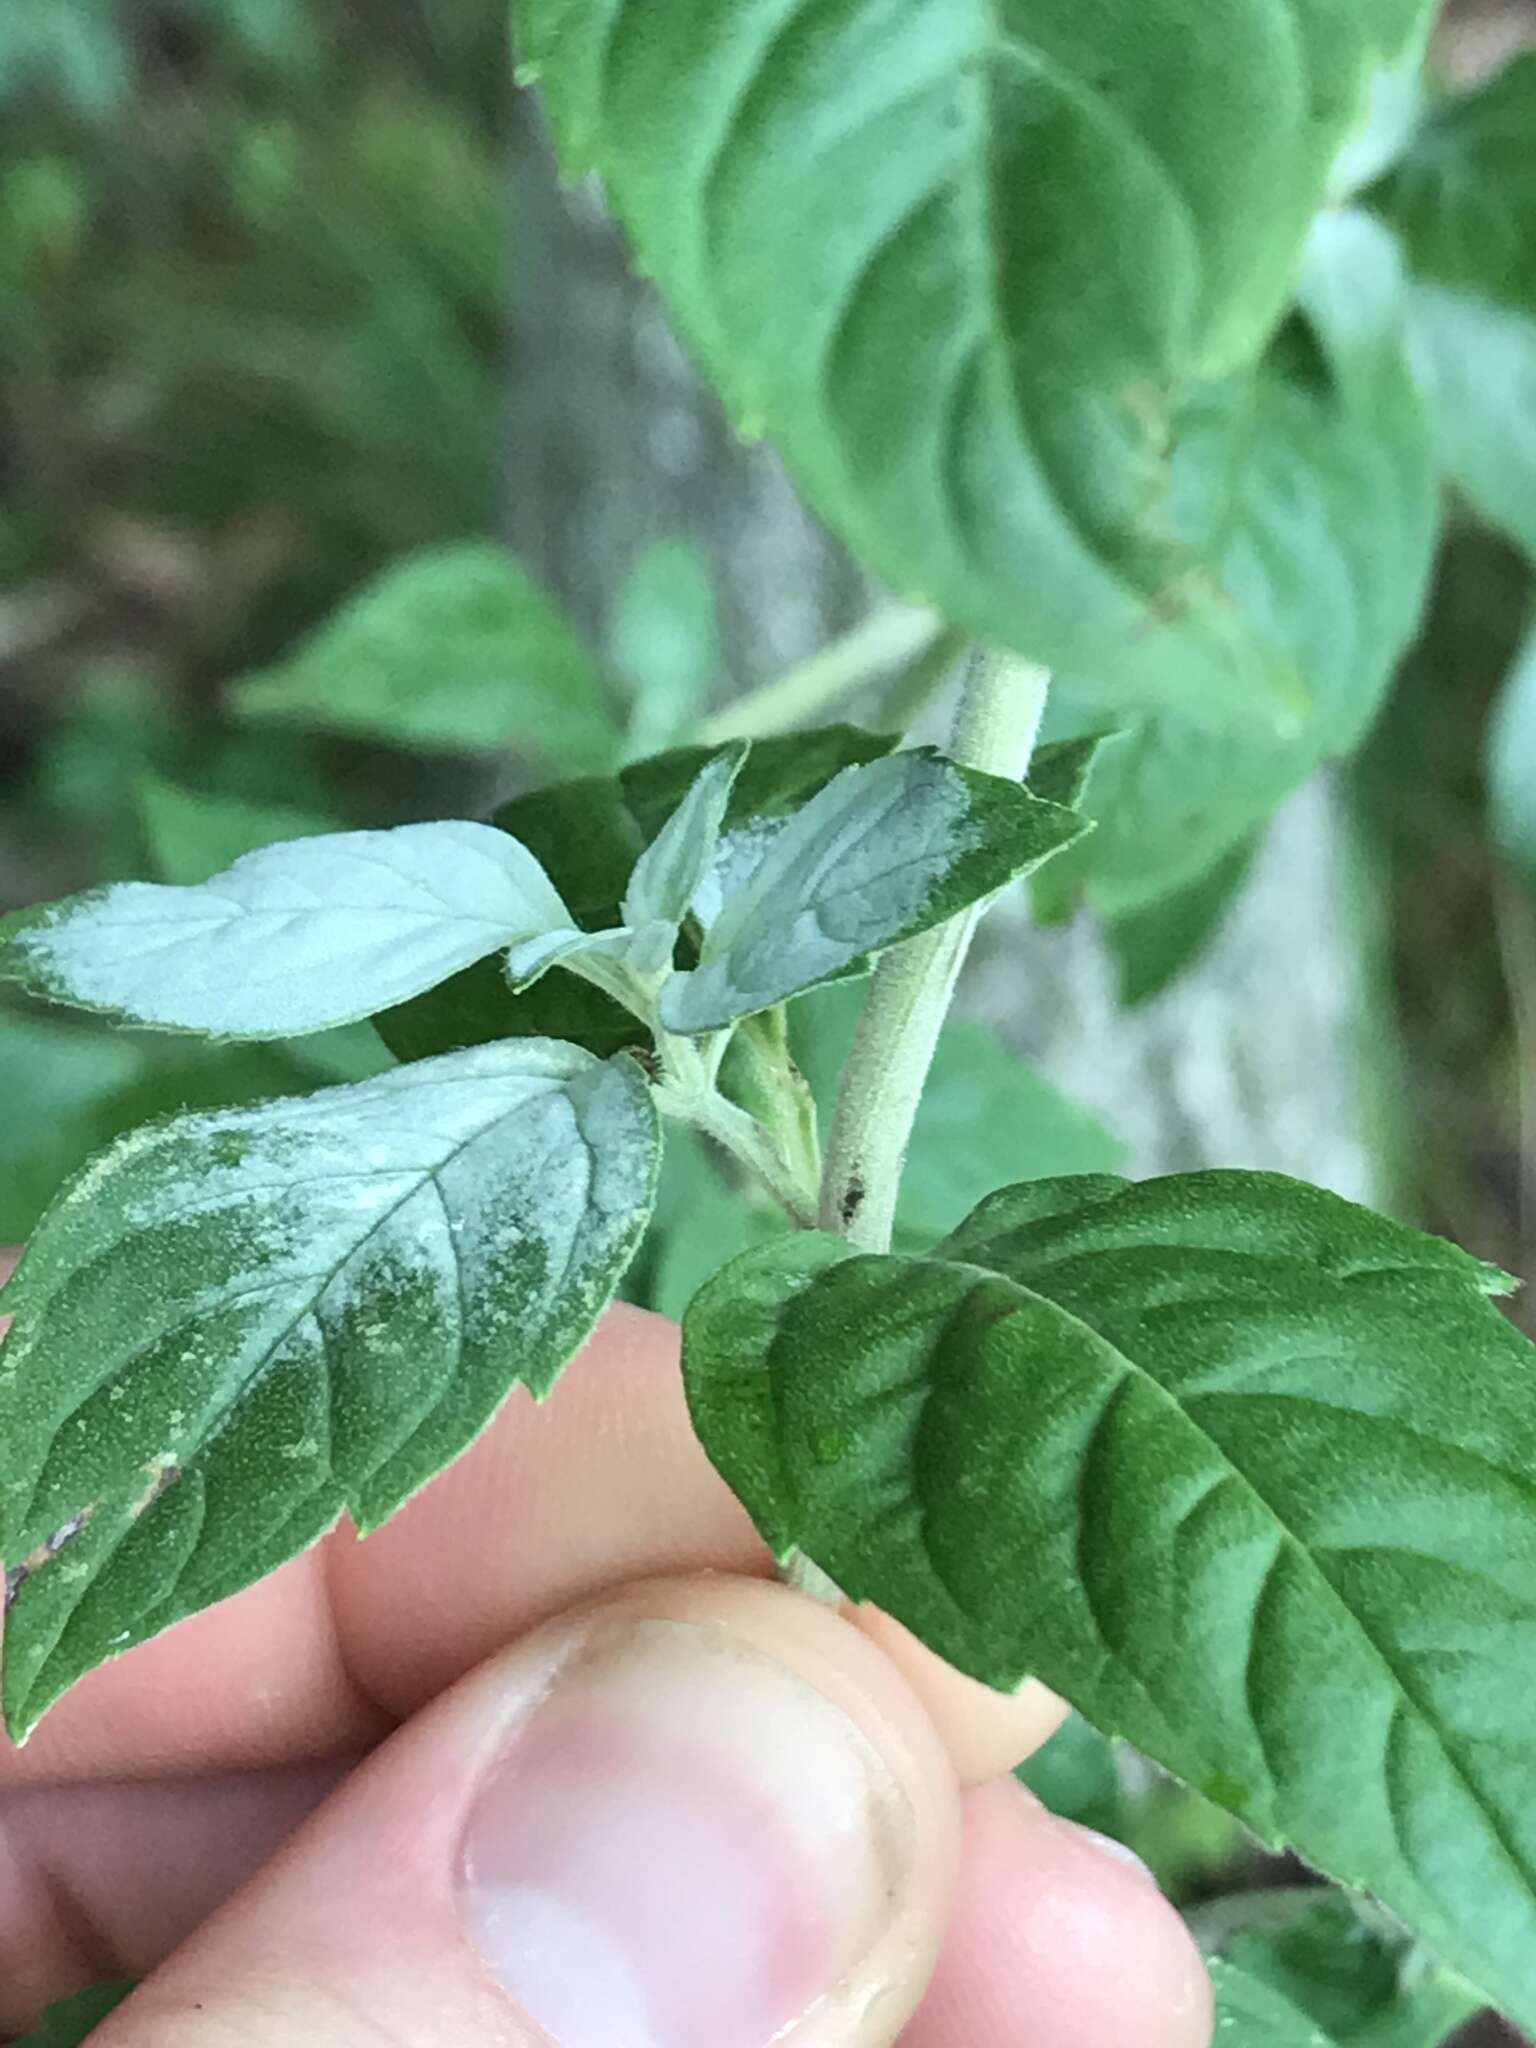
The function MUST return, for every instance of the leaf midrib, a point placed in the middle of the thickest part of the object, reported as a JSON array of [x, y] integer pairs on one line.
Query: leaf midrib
[[1141, 1374], [220, 1418]]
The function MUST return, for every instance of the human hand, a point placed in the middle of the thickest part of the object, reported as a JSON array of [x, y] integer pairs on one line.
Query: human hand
[[700, 1812]]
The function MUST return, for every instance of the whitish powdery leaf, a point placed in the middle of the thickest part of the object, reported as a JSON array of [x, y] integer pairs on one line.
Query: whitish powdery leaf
[[292, 938], [231, 1327], [884, 852], [1240, 1469]]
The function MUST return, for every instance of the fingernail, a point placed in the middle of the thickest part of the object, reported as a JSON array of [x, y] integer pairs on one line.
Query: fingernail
[[1108, 1846], [683, 1846]]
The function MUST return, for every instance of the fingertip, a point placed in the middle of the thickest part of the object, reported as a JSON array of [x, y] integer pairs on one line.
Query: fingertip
[[988, 1734], [1059, 1938]]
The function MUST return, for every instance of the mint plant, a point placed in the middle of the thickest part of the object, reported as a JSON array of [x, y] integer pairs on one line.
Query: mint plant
[[1100, 356]]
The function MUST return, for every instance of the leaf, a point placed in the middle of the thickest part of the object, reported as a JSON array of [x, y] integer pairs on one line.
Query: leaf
[[1252, 2014], [589, 834], [1076, 1776], [985, 1113], [1039, 226], [1349, 1970], [1263, 1462], [456, 647], [292, 938], [234, 1326], [1154, 945], [673, 868], [1476, 365], [1329, 528], [664, 640], [1512, 767], [194, 835], [884, 852], [86, 1085], [1463, 199], [701, 1222], [69, 2024]]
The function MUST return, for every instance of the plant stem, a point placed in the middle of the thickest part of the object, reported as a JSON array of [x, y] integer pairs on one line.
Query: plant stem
[[893, 639], [909, 997], [688, 1092]]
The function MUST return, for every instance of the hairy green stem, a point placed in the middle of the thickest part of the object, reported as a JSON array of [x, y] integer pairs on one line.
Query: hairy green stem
[[909, 997], [688, 1091], [894, 639]]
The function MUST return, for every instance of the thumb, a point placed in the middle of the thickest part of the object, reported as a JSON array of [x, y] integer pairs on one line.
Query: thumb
[[708, 1814]]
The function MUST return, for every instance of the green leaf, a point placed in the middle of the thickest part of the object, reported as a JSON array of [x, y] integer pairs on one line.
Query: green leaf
[[985, 1114], [1330, 524], [292, 938], [85, 1085], [1039, 226], [454, 648], [233, 1326], [1512, 767], [194, 835], [1240, 1469], [884, 852], [664, 640], [69, 2024], [1476, 365], [1353, 1973], [1076, 1776], [1153, 945], [52, 1115], [1252, 2014], [1463, 199], [702, 1221], [589, 834]]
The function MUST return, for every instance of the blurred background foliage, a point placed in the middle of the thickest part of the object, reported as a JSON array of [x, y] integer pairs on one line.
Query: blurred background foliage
[[257, 262]]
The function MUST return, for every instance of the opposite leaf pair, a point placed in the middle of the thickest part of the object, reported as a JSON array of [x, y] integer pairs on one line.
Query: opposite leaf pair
[[234, 1326]]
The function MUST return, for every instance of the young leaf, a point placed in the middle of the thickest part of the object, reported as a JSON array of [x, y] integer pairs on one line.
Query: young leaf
[[669, 874], [589, 835], [664, 640], [1263, 1462], [1154, 945], [457, 647], [292, 938], [69, 2024], [1463, 198], [194, 835], [884, 852], [232, 1327], [1043, 222]]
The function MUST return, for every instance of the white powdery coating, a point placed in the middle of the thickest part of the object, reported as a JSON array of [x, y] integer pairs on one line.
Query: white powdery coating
[[848, 875], [738, 857], [298, 937], [495, 1191]]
